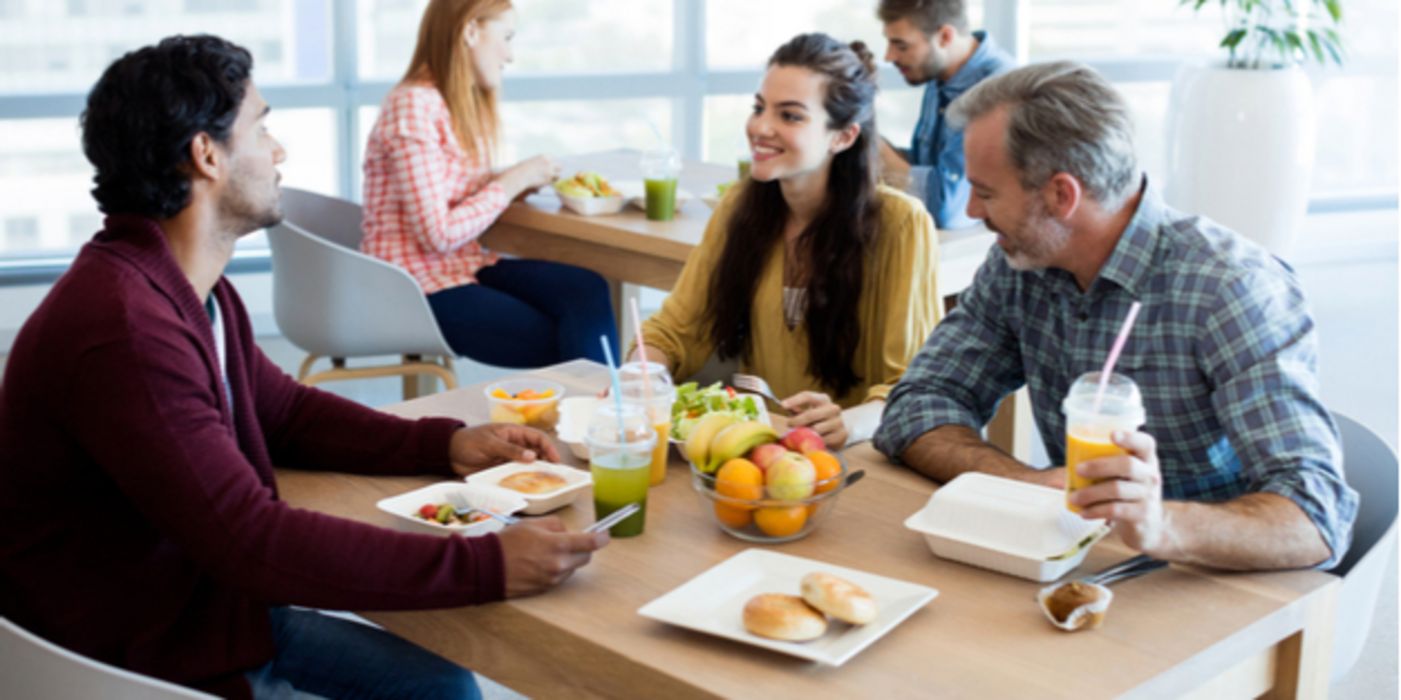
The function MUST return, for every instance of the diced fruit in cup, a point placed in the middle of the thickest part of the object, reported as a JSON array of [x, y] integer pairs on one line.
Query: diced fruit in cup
[[502, 413]]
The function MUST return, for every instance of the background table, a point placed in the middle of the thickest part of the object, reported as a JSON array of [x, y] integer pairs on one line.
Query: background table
[[1175, 633]]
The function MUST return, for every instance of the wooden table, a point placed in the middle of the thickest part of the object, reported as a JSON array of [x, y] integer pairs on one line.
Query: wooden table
[[1178, 632]]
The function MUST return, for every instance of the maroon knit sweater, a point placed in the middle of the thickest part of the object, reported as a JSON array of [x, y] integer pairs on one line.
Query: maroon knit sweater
[[139, 518]]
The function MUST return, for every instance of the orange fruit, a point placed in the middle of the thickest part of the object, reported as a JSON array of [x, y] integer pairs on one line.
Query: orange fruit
[[740, 478], [732, 516], [500, 393], [781, 521], [827, 468]]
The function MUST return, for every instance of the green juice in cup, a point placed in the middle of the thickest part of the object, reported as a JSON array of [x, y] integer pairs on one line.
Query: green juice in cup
[[620, 440], [660, 168], [620, 479], [661, 199]]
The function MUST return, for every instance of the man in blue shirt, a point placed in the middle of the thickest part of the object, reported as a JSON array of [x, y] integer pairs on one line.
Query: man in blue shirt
[[1238, 464], [929, 42]]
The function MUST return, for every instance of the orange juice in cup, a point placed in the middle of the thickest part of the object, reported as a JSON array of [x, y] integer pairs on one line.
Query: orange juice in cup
[[1089, 428], [655, 393]]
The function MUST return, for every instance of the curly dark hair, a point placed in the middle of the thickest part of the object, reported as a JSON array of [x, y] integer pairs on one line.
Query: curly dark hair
[[834, 246], [146, 109]]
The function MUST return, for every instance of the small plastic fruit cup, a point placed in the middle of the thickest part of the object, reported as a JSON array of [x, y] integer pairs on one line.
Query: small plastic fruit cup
[[765, 519], [532, 402]]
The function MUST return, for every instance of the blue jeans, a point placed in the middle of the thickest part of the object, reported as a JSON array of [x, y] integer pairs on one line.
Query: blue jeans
[[320, 655], [527, 313]]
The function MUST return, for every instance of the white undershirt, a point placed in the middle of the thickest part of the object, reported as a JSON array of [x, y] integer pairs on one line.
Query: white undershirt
[[216, 322]]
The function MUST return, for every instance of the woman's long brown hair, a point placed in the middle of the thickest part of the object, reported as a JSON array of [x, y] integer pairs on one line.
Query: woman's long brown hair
[[834, 247], [441, 57]]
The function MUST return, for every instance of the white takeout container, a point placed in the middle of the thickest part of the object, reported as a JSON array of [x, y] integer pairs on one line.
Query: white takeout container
[[575, 412], [576, 482], [405, 505], [1005, 525], [593, 206]]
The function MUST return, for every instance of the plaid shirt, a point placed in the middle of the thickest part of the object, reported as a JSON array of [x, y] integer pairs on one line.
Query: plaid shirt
[[426, 201], [1223, 353]]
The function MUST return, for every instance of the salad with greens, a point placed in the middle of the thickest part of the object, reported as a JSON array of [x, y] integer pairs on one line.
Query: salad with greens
[[694, 401]]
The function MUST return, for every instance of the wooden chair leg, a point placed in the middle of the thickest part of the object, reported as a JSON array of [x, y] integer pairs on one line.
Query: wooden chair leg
[[306, 367]]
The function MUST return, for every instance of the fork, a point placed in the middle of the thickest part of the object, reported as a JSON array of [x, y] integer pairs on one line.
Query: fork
[[757, 385], [1126, 569], [459, 504], [613, 518]]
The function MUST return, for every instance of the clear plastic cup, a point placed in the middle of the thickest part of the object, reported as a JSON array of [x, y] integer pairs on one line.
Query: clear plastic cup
[[655, 393], [1088, 431], [660, 170], [620, 458]]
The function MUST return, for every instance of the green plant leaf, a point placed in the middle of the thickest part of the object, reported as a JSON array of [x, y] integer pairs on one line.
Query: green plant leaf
[[1317, 47], [1233, 38], [1335, 9]]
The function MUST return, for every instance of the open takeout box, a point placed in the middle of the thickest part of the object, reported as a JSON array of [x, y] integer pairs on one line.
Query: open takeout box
[[1005, 525]]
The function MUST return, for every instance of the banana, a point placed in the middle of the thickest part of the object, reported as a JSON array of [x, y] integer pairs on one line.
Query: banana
[[698, 444], [736, 441]]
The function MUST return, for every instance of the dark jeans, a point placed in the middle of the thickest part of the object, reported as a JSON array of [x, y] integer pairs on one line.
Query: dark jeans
[[320, 655], [527, 313]]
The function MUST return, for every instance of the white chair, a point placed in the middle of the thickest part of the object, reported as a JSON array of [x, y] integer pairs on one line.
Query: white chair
[[1371, 468], [36, 669], [333, 301]]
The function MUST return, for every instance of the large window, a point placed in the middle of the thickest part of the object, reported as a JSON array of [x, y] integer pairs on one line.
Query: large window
[[607, 74]]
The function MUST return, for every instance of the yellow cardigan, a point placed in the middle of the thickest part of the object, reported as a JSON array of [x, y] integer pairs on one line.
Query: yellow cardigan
[[899, 306]]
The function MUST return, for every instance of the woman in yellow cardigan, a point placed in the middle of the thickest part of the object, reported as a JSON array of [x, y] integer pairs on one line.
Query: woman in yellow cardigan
[[817, 278]]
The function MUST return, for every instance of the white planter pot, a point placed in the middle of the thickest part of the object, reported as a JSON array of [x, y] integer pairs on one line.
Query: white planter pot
[[1241, 148]]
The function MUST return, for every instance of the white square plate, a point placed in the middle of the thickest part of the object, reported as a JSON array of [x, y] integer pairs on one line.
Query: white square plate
[[576, 481], [405, 505], [713, 602]]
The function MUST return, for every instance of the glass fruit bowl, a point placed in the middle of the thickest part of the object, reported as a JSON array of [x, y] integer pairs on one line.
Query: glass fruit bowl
[[747, 509]]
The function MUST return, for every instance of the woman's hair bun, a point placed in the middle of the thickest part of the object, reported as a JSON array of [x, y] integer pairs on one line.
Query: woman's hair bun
[[868, 59]]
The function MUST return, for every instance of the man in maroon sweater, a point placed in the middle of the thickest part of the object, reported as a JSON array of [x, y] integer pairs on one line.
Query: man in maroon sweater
[[139, 425]]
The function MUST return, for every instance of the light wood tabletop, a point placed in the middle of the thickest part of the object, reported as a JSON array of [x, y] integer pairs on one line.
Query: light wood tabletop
[[1174, 633]]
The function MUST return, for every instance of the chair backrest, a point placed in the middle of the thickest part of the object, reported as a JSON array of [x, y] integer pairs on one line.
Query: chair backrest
[[1370, 467], [332, 218], [335, 301], [31, 667]]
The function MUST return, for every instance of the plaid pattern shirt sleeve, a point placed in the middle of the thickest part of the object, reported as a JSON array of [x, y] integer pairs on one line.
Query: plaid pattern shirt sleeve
[[1258, 349], [970, 362], [426, 201]]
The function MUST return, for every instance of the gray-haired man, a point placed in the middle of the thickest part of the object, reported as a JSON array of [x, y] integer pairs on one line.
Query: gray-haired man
[[1238, 464]]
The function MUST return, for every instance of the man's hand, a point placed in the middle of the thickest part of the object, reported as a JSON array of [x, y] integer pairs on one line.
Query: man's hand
[[1130, 493], [818, 412], [540, 554], [482, 446]]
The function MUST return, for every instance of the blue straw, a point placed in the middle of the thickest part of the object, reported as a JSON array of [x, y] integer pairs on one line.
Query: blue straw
[[617, 386]]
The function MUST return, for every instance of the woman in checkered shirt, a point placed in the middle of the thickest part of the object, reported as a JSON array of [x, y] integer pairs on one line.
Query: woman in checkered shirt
[[431, 191]]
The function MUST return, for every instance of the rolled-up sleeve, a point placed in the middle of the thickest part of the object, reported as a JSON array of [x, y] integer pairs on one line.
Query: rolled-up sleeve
[[1259, 349], [970, 362]]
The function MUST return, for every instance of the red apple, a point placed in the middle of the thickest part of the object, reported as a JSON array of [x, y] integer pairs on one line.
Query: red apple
[[766, 454], [802, 440]]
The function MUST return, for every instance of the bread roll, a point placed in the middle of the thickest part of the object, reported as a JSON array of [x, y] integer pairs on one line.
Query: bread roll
[[533, 482], [839, 598], [785, 617]]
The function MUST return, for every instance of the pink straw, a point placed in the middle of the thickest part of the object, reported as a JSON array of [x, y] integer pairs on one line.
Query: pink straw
[[1114, 353], [641, 347]]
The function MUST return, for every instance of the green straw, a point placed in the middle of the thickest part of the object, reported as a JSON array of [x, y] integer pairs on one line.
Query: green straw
[[617, 386]]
